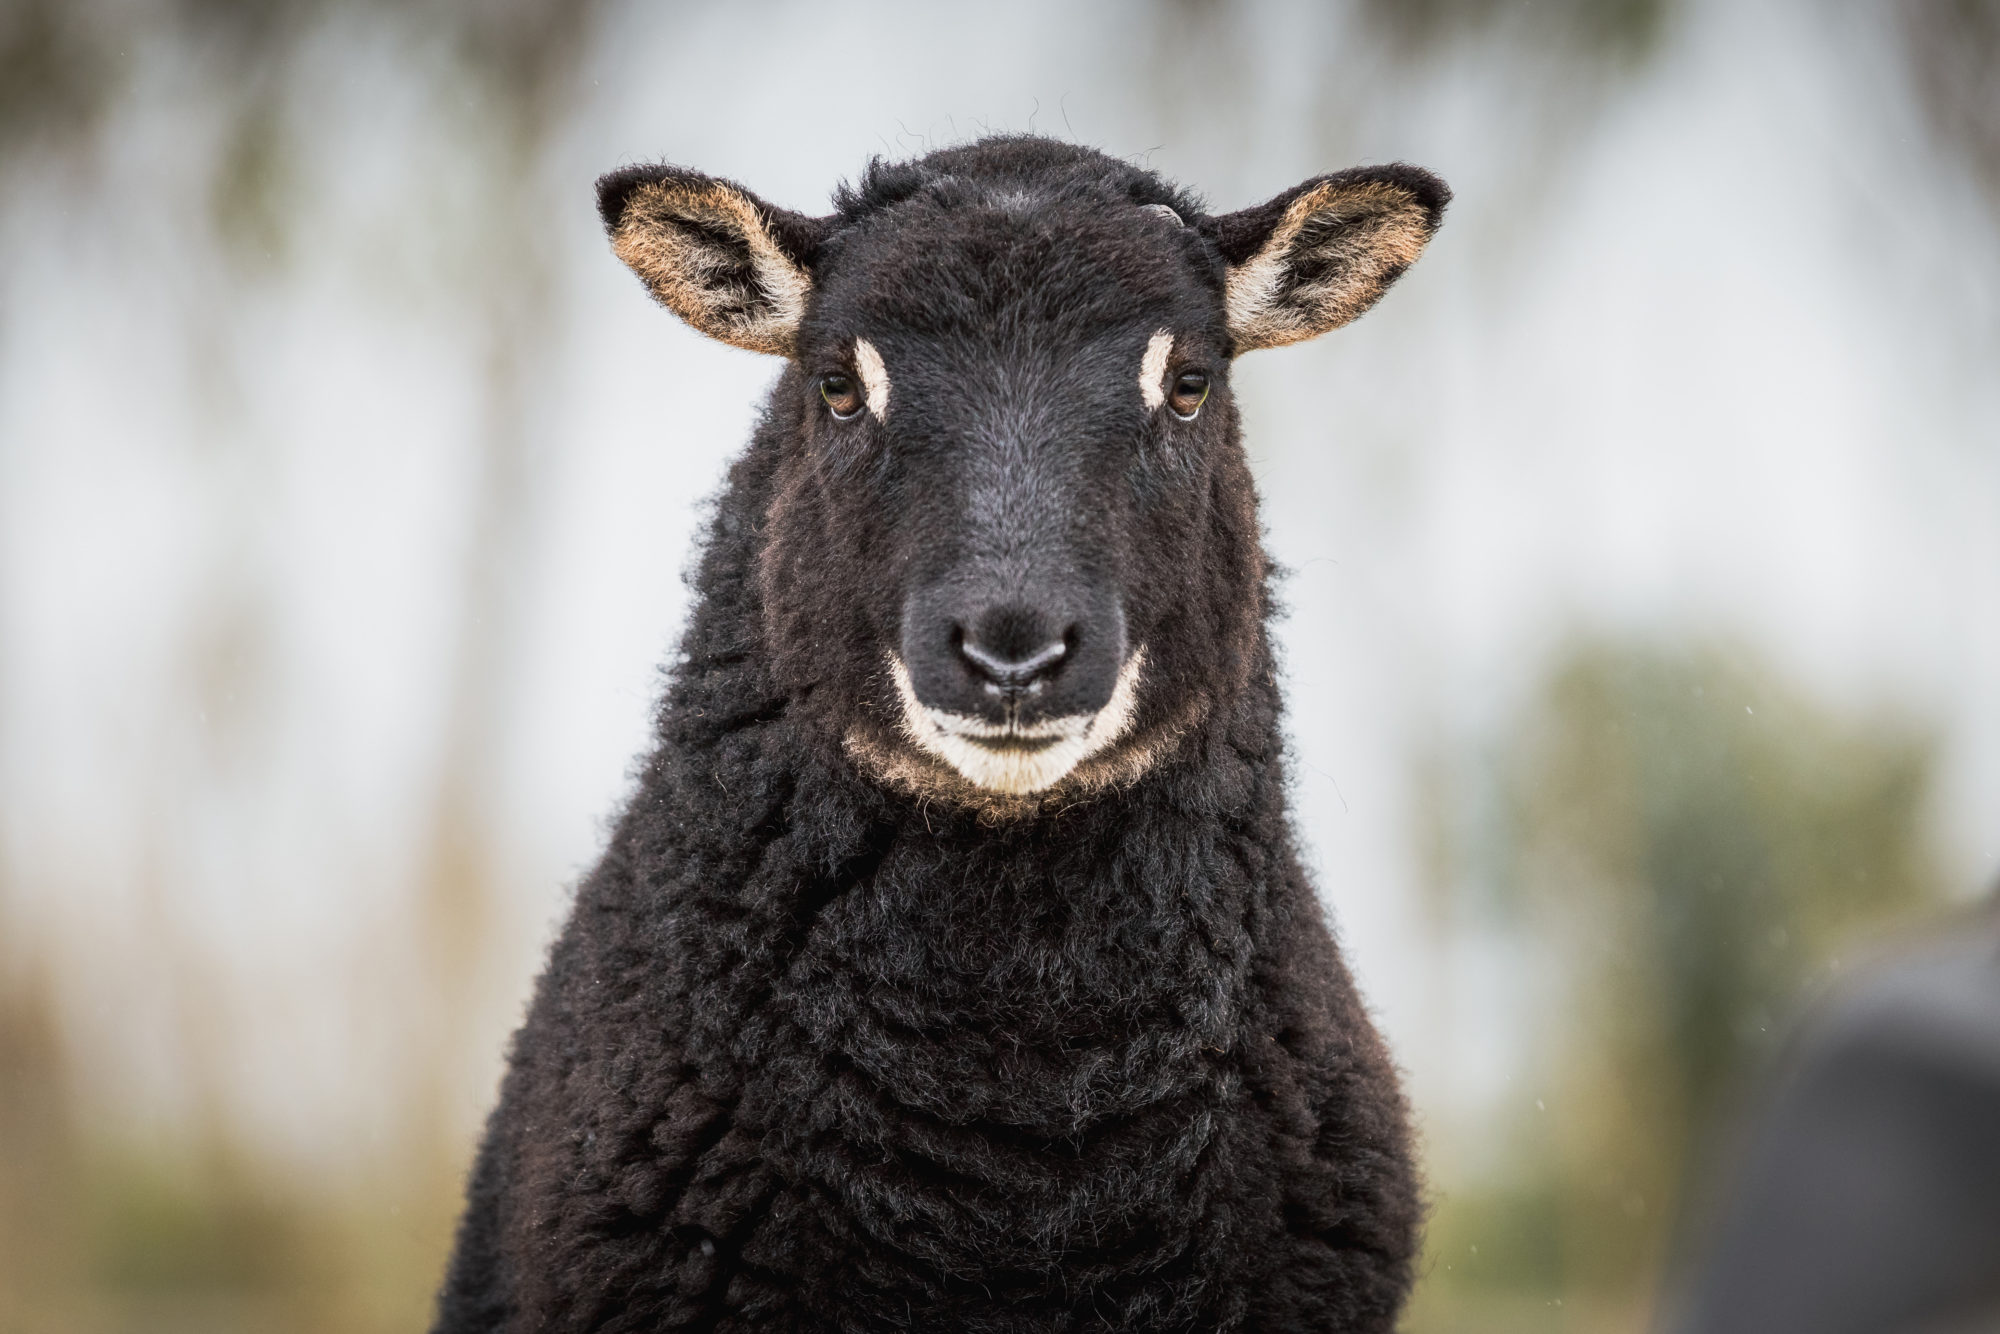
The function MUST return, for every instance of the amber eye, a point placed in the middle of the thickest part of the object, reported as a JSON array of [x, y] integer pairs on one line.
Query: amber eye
[[842, 394], [1190, 392]]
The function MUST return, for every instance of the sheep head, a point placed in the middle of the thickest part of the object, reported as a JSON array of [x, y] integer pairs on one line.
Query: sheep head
[[1012, 548]]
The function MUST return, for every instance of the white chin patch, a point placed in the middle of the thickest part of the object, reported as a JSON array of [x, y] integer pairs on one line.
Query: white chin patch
[[1153, 369], [1017, 760]]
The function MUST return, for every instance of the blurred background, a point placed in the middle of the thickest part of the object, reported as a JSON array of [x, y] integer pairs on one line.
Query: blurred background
[[1644, 606]]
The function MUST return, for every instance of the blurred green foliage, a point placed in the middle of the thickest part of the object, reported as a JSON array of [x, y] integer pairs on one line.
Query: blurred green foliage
[[1619, 31], [104, 1235], [1684, 843]]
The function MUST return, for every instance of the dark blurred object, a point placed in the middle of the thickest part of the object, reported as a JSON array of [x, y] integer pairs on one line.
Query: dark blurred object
[[1953, 49], [1867, 1196]]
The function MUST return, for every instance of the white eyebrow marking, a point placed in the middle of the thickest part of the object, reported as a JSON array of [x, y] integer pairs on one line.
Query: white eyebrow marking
[[874, 377], [1153, 369]]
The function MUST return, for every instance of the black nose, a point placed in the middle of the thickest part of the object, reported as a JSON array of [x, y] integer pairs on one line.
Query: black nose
[[1012, 659], [1004, 671]]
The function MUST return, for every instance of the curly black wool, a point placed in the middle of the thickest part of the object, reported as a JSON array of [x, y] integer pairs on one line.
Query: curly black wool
[[820, 1053]]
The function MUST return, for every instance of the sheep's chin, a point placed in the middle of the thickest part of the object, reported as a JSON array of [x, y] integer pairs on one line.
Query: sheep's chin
[[1017, 760]]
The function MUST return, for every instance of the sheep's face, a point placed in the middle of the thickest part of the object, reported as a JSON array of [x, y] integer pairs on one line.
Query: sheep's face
[[1011, 545]]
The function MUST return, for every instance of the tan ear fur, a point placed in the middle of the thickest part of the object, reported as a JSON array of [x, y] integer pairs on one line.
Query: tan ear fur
[[1332, 255], [704, 251]]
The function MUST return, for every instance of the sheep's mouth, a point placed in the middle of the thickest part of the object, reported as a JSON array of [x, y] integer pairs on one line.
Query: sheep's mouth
[[1015, 757], [1014, 742]]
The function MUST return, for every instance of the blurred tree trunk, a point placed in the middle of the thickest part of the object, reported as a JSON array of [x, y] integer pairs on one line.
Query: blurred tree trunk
[[1953, 53]]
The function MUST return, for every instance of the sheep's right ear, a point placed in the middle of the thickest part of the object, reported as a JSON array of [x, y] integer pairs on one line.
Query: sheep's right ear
[[1323, 252], [713, 253]]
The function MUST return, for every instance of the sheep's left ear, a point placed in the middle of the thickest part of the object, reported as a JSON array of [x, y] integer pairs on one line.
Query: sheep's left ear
[[1321, 253], [722, 259]]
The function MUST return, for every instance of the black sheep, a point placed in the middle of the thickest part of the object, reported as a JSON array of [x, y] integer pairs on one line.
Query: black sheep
[[952, 967]]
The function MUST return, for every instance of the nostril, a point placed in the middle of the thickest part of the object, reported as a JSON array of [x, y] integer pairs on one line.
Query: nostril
[[1006, 671]]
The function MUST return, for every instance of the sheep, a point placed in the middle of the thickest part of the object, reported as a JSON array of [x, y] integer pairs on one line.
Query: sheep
[[952, 967]]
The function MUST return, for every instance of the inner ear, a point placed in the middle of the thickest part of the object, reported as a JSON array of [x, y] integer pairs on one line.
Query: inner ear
[[1321, 254], [713, 253]]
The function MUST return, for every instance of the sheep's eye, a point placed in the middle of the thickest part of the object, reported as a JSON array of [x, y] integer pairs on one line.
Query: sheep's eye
[[842, 394], [1190, 392]]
